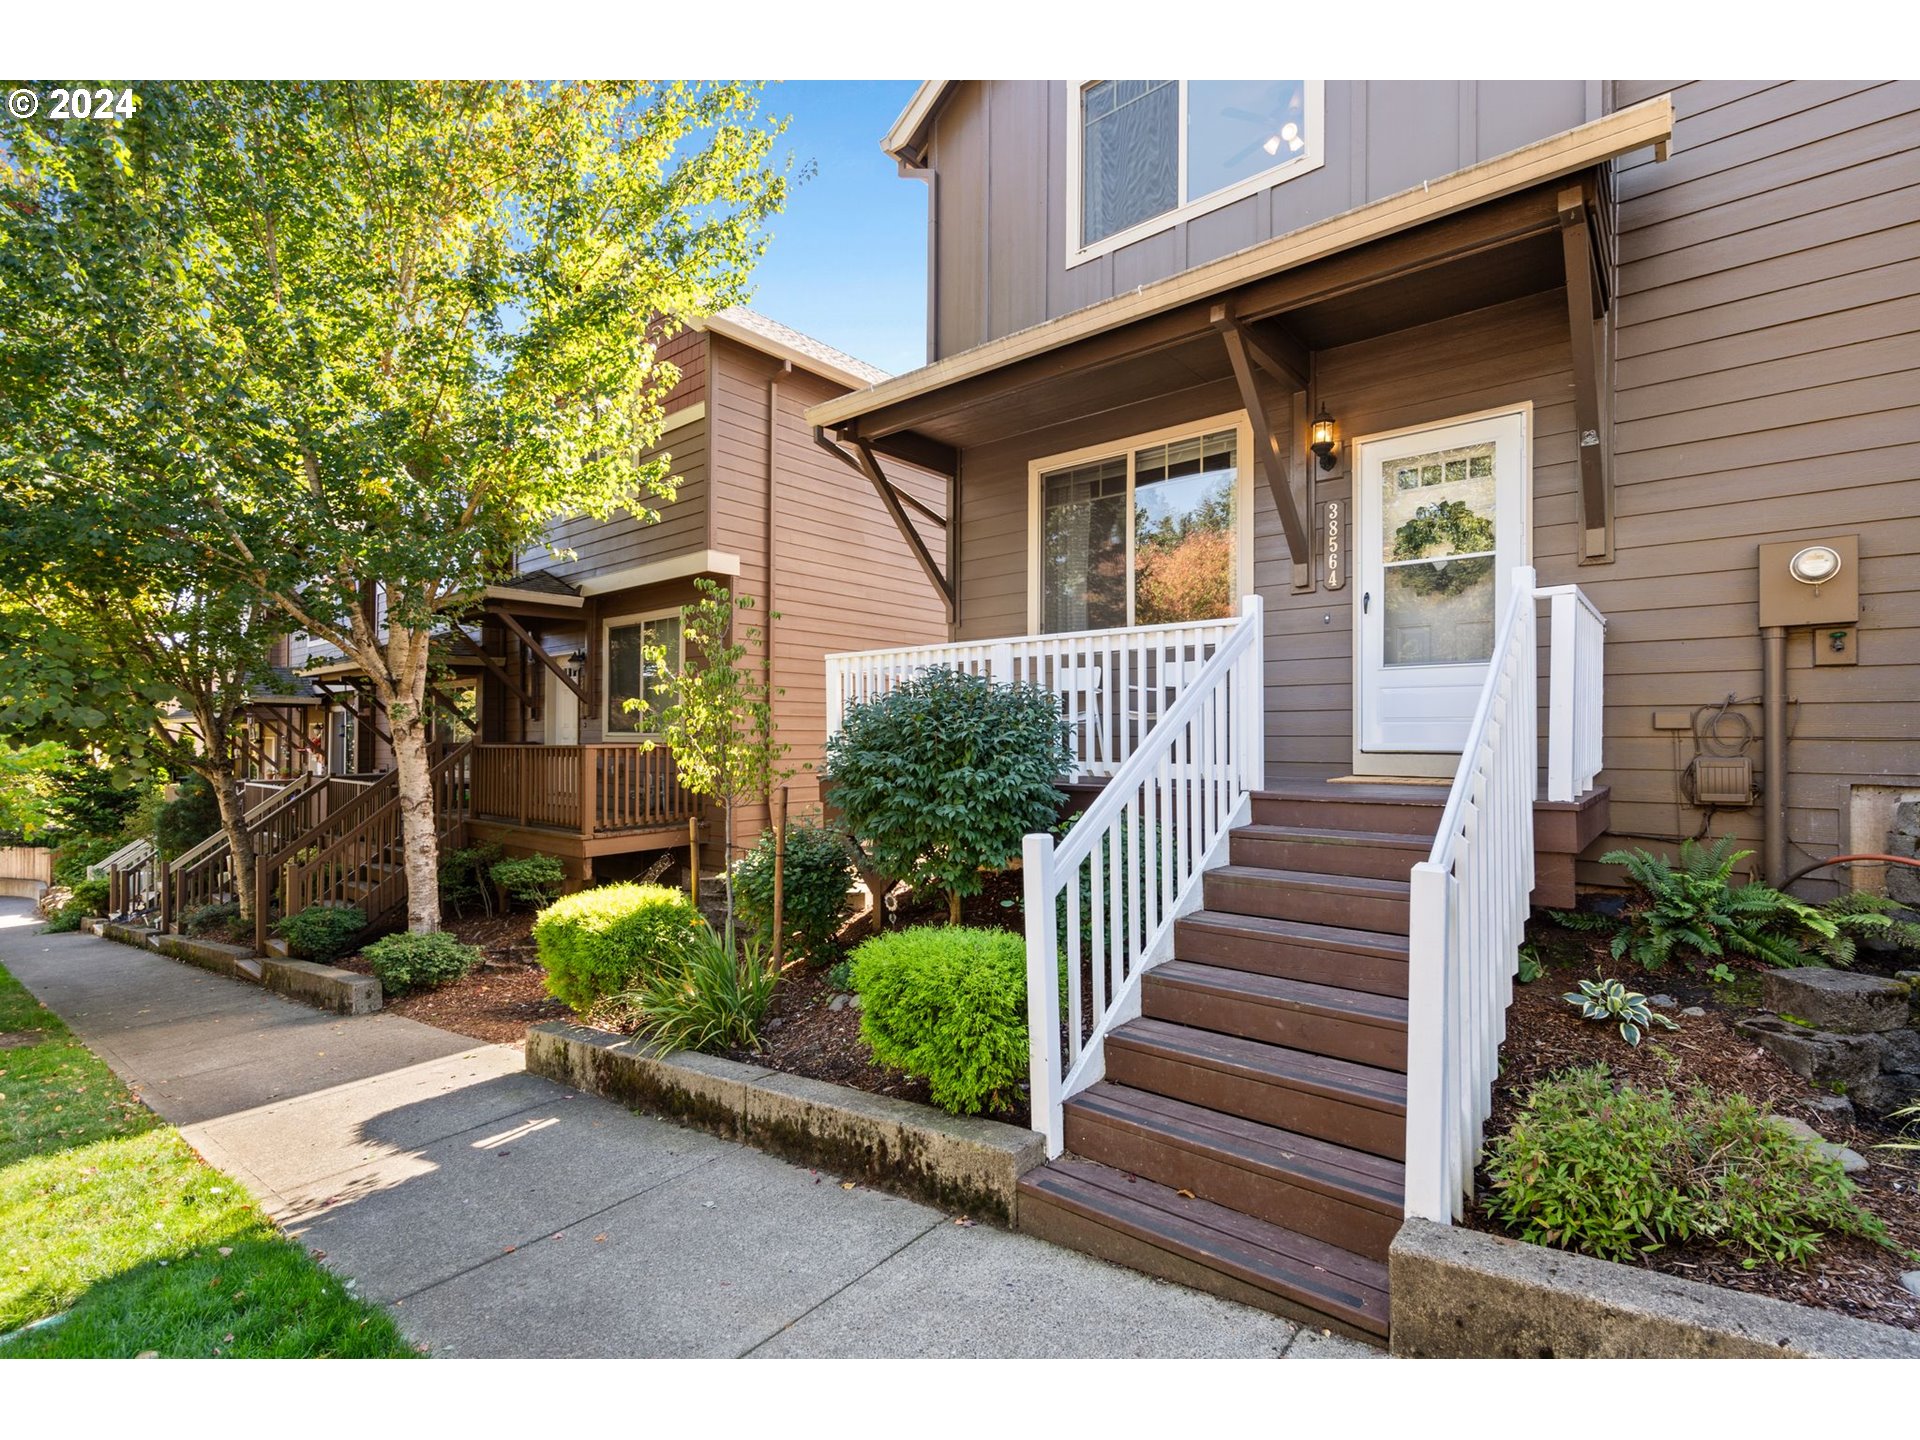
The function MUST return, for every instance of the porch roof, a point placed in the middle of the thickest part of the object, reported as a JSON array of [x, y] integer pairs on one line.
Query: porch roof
[[1485, 233]]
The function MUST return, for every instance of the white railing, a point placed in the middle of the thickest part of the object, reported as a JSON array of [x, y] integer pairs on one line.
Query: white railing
[[1470, 896], [1100, 907], [1113, 685], [127, 856], [1575, 699]]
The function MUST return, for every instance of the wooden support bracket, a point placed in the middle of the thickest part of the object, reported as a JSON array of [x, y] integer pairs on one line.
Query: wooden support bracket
[[868, 464], [539, 652], [495, 668], [1587, 332], [1245, 351]]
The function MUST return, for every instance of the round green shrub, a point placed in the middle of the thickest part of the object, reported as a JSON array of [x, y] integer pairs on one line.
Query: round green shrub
[[943, 777], [599, 943], [816, 876], [419, 962], [533, 881], [221, 915], [949, 1006], [322, 933]]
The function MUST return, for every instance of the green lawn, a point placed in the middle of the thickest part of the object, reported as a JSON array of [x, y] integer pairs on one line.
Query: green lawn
[[108, 1215]]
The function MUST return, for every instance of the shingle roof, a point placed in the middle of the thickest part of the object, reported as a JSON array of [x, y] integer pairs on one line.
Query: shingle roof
[[738, 318]]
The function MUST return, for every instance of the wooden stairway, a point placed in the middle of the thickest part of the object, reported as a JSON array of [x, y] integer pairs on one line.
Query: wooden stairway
[[1249, 1134]]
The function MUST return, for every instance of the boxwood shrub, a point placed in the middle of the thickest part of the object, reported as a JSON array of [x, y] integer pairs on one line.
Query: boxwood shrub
[[533, 881], [816, 876], [322, 933], [599, 943], [419, 962], [949, 1006]]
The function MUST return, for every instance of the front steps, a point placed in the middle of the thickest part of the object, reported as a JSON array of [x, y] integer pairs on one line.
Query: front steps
[[1249, 1135]]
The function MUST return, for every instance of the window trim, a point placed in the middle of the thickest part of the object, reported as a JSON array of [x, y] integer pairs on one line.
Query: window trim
[[1130, 446], [1309, 160], [608, 624]]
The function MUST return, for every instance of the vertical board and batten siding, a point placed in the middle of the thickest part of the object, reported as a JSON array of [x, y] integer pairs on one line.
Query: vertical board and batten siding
[[997, 146], [842, 579], [1767, 349]]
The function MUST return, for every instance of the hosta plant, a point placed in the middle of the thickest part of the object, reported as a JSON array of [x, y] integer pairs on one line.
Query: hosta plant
[[1610, 1000]]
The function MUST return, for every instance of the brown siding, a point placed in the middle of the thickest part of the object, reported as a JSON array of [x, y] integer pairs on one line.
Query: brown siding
[[842, 577], [999, 149], [1768, 344], [1769, 338]]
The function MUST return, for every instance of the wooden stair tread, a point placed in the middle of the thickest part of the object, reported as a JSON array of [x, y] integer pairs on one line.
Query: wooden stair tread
[[1313, 880], [1325, 937], [1268, 1257], [1357, 793], [1362, 1179], [1331, 1001], [1335, 835], [1345, 1080]]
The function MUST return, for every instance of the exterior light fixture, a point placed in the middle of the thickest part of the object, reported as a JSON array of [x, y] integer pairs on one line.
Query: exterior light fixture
[[1814, 565], [1324, 443]]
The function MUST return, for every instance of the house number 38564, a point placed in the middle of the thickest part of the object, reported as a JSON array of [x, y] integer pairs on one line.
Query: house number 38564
[[1336, 545]]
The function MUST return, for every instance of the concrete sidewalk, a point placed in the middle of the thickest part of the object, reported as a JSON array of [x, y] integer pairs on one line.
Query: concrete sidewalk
[[499, 1213]]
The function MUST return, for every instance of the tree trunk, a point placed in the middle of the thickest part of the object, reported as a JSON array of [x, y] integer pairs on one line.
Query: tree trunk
[[953, 907], [419, 825], [726, 865], [232, 800]]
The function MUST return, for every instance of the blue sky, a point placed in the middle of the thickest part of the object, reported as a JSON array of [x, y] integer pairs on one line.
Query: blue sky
[[848, 260]]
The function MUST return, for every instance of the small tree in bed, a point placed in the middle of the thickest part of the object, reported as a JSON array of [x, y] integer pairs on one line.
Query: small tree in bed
[[718, 718], [940, 778]]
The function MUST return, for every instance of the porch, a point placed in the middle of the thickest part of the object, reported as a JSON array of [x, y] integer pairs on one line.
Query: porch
[[579, 800]]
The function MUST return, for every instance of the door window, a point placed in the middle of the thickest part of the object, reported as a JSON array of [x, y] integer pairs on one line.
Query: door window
[[1437, 550]]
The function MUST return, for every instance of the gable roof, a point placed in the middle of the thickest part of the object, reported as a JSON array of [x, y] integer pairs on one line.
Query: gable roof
[[903, 136], [783, 342]]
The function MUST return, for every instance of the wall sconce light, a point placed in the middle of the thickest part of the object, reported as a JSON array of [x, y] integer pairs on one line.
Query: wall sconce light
[[1324, 443]]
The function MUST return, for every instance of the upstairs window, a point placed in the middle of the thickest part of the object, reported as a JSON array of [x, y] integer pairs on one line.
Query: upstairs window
[[1146, 153]]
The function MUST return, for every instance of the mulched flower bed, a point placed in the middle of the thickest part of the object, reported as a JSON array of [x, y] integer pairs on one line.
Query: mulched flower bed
[[495, 1002], [1545, 1036]]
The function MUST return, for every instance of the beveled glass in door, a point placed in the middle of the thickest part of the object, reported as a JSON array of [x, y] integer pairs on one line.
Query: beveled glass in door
[[1438, 536]]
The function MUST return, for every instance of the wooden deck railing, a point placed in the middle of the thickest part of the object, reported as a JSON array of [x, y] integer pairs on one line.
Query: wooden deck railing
[[585, 790]]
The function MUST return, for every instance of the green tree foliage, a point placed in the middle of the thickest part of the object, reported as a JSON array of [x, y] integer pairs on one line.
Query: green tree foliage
[[188, 818], [29, 777], [718, 719], [941, 778], [348, 349]]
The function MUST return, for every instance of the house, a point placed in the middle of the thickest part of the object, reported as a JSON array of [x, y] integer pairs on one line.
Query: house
[[1411, 490], [541, 752]]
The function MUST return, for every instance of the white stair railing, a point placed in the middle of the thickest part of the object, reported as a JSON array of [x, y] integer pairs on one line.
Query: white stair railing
[[1100, 906], [1113, 685], [1470, 897]]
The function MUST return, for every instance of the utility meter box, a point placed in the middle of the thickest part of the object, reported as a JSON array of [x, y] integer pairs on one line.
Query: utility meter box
[[1810, 582]]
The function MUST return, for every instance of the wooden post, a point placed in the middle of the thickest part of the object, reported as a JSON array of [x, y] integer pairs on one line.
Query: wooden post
[[262, 889], [693, 858], [589, 791], [779, 799], [163, 882]]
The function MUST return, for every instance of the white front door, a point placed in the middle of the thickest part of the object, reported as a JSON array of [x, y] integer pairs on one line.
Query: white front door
[[1442, 515], [563, 713]]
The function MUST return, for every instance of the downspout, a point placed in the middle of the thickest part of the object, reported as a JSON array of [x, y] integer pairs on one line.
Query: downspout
[[1773, 725]]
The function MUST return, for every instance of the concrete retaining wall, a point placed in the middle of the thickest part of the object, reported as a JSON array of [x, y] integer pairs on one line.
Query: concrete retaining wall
[[1461, 1294], [325, 987], [955, 1162]]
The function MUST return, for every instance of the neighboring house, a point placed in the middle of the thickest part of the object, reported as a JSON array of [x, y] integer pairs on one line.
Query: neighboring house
[[540, 678], [1378, 366]]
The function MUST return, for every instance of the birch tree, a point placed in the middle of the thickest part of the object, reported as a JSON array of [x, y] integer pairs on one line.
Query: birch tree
[[338, 340]]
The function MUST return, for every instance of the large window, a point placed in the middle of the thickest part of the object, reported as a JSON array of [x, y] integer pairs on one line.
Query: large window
[[1145, 153], [632, 673], [1147, 534]]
